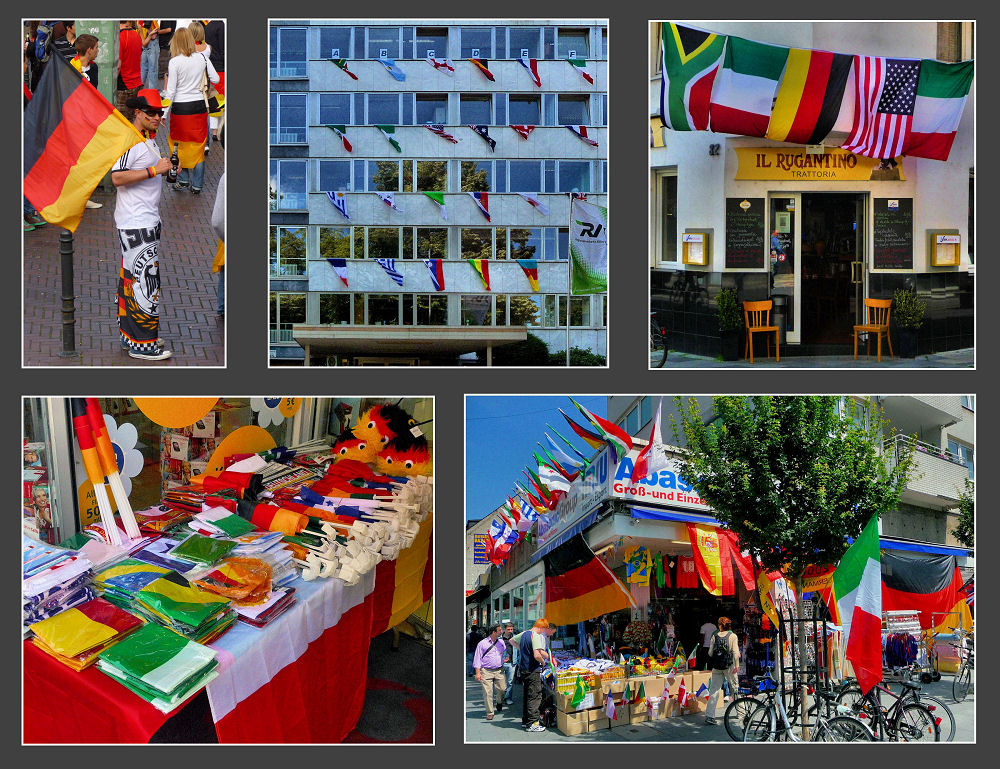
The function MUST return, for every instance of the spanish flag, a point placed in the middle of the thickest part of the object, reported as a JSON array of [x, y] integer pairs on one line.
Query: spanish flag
[[72, 137], [579, 586]]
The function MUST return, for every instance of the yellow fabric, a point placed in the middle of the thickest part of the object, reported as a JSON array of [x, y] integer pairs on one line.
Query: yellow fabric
[[190, 154], [116, 571], [182, 594], [409, 593], [786, 105], [77, 64], [764, 589], [706, 540], [72, 632], [220, 257]]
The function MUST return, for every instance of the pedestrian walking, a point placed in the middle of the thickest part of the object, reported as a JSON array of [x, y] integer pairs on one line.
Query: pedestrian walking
[[488, 664], [533, 655], [128, 67], [472, 639], [707, 630], [185, 90], [215, 37], [149, 62], [724, 659], [509, 663]]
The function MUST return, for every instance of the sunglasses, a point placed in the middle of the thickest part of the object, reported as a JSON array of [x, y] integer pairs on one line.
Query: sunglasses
[[153, 112]]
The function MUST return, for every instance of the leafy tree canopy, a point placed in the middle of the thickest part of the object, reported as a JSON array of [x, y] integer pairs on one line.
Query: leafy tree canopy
[[965, 532]]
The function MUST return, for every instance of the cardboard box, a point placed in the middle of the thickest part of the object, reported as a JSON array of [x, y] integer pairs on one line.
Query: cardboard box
[[572, 723], [696, 678], [622, 715], [592, 699], [597, 724], [670, 708], [638, 713], [696, 705], [614, 687], [671, 685], [657, 710]]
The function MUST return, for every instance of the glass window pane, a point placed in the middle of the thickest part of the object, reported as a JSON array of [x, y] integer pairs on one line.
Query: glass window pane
[[383, 109], [383, 309], [292, 52], [521, 38], [335, 242], [549, 109], [358, 301], [574, 43], [574, 176], [432, 310], [359, 242], [550, 250], [563, 244], [477, 42], [432, 242], [668, 217], [335, 109], [383, 41], [334, 175], [383, 242], [645, 410], [335, 309], [432, 39], [291, 118], [477, 310], [526, 310], [272, 185], [524, 110], [549, 306], [407, 242], [407, 309], [574, 110], [407, 176], [335, 43], [273, 250], [632, 422], [477, 243], [476, 175], [273, 51], [383, 175], [476, 110], [549, 176], [291, 251], [580, 312], [501, 309], [500, 109], [291, 309], [432, 108], [500, 251], [525, 243], [525, 176], [432, 176], [604, 42], [292, 184], [550, 42], [272, 116], [407, 118]]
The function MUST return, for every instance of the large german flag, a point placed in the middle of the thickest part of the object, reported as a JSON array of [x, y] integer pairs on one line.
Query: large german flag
[[404, 585], [928, 585], [189, 130], [72, 136], [579, 586], [810, 96]]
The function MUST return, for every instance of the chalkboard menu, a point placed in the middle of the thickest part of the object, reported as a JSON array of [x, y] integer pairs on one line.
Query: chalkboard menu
[[893, 233], [745, 236]]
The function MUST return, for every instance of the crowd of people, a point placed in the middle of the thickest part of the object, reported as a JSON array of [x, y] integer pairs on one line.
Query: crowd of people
[[159, 66]]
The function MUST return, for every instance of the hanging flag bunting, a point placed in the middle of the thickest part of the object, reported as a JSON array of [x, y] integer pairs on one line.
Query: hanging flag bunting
[[580, 65], [342, 64], [392, 69], [810, 96], [532, 198], [438, 197], [744, 91], [579, 586], [592, 439], [483, 201], [691, 59], [530, 267], [484, 131], [588, 247], [653, 456], [389, 265], [389, 198], [523, 130], [532, 66], [340, 267], [339, 200], [482, 268], [447, 66], [436, 268], [389, 131], [941, 94], [341, 131], [885, 94], [581, 133], [611, 433], [857, 584], [437, 128], [484, 67]]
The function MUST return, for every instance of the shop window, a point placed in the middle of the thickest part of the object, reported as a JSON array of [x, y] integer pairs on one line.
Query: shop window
[[335, 175], [524, 42], [383, 309], [573, 110], [288, 251], [477, 310], [574, 43], [477, 42], [524, 109], [432, 176], [288, 118], [383, 42], [525, 176], [477, 175], [477, 243], [383, 109], [335, 109], [432, 310], [335, 309], [432, 242], [383, 242], [287, 184], [335, 43], [574, 176], [525, 243], [431, 41], [432, 108], [335, 242], [288, 52], [476, 109]]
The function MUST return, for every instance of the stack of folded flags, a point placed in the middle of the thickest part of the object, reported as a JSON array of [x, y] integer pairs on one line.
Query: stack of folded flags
[[157, 555], [161, 667], [122, 581], [76, 636], [159, 518], [261, 615], [55, 585], [37, 556], [182, 607], [96, 531], [218, 521], [203, 550]]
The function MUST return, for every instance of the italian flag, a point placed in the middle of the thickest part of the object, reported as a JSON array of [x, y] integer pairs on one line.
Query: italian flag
[[941, 94], [857, 585], [746, 87]]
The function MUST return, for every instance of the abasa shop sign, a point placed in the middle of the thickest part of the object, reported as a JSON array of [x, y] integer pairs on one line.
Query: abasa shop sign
[[661, 486]]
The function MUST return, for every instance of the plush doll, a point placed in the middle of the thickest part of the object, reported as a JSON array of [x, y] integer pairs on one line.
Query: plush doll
[[383, 422], [405, 455], [349, 446]]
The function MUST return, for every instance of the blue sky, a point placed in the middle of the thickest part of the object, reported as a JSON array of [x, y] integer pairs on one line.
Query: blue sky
[[500, 434]]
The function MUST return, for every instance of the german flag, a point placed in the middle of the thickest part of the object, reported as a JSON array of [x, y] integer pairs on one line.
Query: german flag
[[72, 137], [928, 585], [403, 586], [484, 66], [579, 586], [810, 96], [189, 130]]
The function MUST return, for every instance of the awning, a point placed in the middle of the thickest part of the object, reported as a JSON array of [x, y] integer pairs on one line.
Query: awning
[[887, 543], [478, 595], [584, 523], [656, 514]]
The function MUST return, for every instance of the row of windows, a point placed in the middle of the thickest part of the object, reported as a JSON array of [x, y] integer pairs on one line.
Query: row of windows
[[289, 255], [289, 116], [289, 52], [534, 310], [288, 183], [638, 416]]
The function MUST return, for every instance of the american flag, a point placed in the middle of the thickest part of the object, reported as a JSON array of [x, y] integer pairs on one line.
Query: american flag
[[439, 130], [885, 94]]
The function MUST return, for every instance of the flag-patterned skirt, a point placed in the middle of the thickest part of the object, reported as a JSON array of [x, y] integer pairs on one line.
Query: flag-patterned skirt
[[139, 288], [189, 129]]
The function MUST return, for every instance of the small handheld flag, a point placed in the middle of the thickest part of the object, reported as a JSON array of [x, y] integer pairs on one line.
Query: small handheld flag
[[682, 694], [609, 709], [702, 691], [339, 200], [579, 692]]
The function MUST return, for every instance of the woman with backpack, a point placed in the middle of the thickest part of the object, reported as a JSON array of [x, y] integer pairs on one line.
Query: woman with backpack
[[724, 660]]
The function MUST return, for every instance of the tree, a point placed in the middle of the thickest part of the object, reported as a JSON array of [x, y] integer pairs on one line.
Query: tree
[[523, 310], [965, 532], [531, 352], [793, 476]]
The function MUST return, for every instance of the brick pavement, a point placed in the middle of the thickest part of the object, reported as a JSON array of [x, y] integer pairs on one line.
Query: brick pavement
[[188, 322]]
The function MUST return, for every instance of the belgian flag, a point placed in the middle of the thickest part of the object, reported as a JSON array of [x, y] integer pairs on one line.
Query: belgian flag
[[579, 586], [72, 137]]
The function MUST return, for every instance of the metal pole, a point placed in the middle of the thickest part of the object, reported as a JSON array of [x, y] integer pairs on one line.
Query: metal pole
[[569, 272], [68, 307]]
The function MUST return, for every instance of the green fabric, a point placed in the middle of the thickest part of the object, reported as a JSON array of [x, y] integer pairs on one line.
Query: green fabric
[[234, 525], [579, 692], [144, 651], [200, 549]]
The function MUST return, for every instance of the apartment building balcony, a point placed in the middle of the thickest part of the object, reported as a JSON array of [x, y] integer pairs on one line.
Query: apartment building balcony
[[938, 476]]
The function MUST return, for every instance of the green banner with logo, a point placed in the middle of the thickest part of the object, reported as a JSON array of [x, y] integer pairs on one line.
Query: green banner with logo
[[588, 248]]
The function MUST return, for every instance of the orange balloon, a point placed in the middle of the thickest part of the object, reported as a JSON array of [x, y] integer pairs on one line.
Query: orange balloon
[[176, 411]]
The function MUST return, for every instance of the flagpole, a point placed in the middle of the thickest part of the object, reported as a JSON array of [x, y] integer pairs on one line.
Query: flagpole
[[569, 270]]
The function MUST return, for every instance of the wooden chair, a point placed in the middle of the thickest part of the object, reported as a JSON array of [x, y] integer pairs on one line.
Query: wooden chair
[[757, 316], [877, 315]]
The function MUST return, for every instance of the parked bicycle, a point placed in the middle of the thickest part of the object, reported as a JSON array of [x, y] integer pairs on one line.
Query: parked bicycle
[[906, 720], [849, 693], [962, 684], [771, 721]]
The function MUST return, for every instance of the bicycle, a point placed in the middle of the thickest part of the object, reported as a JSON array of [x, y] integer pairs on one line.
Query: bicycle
[[962, 684], [657, 338], [906, 720], [771, 721], [849, 693]]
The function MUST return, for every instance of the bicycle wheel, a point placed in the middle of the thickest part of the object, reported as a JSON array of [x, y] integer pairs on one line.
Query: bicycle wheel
[[852, 698], [942, 711], [737, 715], [962, 683], [915, 722], [842, 729], [760, 724]]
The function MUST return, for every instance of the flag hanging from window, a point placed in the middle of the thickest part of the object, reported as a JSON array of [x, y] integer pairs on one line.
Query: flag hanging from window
[[484, 132], [523, 130], [447, 66], [389, 265], [744, 90], [392, 69], [436, 268], [342, 64], [340, 267], [885, 93], [691, 59], [339, 200], [484, 66], [581, 133], [483, 202], [437, 128], [341, 131], [482, 268], [438, 197], [389, 198], [530, 267], [532, 66], [532, 198], [580, 65], [810, 96], [389, 131]]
